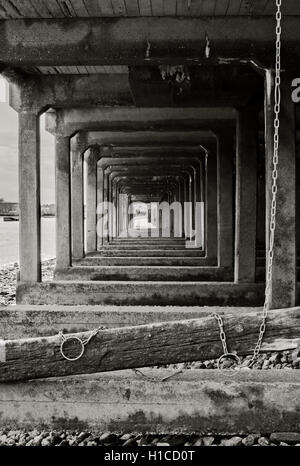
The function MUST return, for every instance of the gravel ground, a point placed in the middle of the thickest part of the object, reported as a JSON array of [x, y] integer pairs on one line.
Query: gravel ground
[[266, 361], [67, 438], [8, 277]]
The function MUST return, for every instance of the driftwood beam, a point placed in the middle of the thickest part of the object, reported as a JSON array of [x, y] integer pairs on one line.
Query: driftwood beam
[[145, 345]]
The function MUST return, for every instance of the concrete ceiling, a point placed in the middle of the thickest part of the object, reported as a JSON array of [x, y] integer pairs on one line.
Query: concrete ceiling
[[16, 9]]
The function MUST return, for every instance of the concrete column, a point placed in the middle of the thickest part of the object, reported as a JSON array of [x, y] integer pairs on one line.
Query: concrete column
[[211, 204], [29, 197], [100, 186], [91, 199], [199, 223], [77, 207], [284, 262], [246, 184], [225, 200], [115, 210], [111, 216], [105, 199], [63, 202], [126, 205], [186, 210]]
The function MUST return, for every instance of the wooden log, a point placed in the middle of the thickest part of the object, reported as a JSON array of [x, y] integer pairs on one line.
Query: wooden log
[[145, 345]]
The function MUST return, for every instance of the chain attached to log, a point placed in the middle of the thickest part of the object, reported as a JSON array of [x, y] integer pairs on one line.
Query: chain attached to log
[[272, 225], [78, 341]]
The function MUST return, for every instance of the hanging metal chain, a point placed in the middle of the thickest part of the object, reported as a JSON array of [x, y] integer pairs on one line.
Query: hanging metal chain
[[226, 355], [272, 225]]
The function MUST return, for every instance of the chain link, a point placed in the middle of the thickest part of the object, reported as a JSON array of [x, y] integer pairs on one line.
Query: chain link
[[222, 333], [273, 209]]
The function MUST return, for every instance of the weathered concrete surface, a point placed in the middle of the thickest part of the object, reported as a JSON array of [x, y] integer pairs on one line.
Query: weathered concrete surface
[[159, 273], [63, 202], [129, 143], [114, 252], [194, 401], [136, 246], [284, 262], [77, 214], [225, 199], [149, 261], [91, 199], [138, 119], [246, 187], [132, 293], [29, 197], [22, 321], [58, 91], [211, 199], [124, 41]]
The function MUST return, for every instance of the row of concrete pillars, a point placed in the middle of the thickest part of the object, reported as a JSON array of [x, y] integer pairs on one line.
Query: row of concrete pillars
[[204, 174]]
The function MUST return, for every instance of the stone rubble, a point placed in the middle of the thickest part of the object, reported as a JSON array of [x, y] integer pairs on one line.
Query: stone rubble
[[8, 278], [74, 438]]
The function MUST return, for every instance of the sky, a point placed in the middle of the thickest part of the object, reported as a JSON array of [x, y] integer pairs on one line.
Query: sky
[[9, 153]]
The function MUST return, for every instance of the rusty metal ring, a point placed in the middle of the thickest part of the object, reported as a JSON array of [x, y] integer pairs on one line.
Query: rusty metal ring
[[62, 348], [229, 356]]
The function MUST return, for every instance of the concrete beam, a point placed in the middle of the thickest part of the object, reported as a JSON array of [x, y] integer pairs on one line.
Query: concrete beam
[[132, 41], [68, 121], [120, 401], [49, 319], [147, 161], [58, 91], [142, 293], [175, 140]]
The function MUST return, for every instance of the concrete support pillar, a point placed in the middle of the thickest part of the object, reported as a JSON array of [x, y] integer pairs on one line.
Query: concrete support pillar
[[187, 210], [29, 197], [122, 214], [199, 220], [115, 208], [100, 187], [246, 188], [225, 200], [77, 207], [211, 205], [63, 202], [111, 216], [284, 262], [91, 200], [105, 199], [126, 206]]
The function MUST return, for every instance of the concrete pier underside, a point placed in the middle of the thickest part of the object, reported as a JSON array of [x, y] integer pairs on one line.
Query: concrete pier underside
[[173, 106]]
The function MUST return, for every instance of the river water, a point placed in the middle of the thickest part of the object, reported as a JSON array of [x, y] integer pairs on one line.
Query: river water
[[9, 240]]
